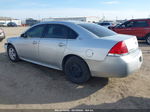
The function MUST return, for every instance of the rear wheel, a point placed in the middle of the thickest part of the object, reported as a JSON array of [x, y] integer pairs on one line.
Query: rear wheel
[[148, 39], [12, 53], [77, 70]]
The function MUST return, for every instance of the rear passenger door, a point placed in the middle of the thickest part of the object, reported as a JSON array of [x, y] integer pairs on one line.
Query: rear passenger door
[[52, 45]]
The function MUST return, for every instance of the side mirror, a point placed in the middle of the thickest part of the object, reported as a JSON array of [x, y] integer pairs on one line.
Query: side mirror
[[23, 35]]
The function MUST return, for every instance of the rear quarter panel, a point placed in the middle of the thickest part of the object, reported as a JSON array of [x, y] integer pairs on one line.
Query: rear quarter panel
[[93, 49]]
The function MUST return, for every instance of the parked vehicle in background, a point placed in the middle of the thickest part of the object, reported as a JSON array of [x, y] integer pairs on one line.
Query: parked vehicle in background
[[2, 24], [31, 22], [138, 27], [12, 24], [65, 46], [2, 35], [107, 24]]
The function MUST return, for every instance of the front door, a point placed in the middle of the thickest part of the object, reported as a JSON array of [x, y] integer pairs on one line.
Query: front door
[[29, 44]]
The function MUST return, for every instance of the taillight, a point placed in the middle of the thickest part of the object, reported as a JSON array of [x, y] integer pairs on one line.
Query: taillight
[[119, 48]]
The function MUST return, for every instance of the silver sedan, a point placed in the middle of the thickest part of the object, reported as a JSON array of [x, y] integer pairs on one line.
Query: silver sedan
[[80, 49]]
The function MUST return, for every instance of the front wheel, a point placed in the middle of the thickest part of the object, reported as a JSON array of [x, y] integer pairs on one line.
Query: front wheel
[[77, 70], [12, 53], [148, 39]]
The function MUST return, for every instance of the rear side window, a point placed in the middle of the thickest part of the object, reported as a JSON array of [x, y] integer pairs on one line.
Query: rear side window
[[60, 31], [140, 24], [97, 30], [56, 31], [72, 34]]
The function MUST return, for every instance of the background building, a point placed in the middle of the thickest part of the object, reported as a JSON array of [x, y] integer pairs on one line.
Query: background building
[[84, 19], [31, 21]]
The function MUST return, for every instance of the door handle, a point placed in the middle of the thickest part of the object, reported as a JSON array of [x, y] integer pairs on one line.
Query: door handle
[[34, 42], [61, 44]]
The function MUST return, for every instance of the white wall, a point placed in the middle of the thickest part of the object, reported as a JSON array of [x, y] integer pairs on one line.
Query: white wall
[[84, 19], [92, 19], [66, 19], [17, 21]]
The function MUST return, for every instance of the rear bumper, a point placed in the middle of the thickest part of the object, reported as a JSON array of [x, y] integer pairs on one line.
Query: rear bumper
[[116, 66]]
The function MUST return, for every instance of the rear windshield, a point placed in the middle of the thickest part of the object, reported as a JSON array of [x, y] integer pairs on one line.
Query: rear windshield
[[97, 30]]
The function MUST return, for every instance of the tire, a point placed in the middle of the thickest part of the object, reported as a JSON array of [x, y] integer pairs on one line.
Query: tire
[[148, 39], [77, 70], [12, 53]]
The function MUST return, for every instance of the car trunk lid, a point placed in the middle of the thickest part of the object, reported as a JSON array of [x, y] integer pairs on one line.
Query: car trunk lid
[[130, 41]]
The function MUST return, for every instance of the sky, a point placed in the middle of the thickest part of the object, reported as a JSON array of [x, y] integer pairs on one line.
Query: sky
[[107, 9]]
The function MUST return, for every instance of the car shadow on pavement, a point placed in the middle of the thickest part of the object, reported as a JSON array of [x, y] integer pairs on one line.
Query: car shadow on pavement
[[143, 44], [26, 83], [125, 103]]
